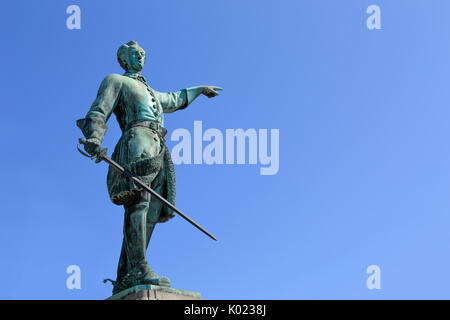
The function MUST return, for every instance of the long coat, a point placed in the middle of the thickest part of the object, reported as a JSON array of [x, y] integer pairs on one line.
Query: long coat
[[141, 149]]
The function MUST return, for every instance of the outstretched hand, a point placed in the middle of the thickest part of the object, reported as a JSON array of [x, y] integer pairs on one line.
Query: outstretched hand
[[211, 91]]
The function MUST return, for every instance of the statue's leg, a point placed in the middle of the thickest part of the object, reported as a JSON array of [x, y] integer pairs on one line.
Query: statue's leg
[[132, 256], [123, 262], [153, 213], [124, 265], [133, 260], [136, 231]]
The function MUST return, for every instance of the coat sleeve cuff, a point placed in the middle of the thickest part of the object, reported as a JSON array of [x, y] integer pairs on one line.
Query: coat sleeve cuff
[[192, 94], [92, 129]]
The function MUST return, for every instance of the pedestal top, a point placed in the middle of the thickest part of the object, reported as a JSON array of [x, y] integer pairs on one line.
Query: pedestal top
[[152, 292]]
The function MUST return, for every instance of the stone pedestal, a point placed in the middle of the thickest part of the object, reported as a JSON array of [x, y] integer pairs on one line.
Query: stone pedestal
[[151, 292]]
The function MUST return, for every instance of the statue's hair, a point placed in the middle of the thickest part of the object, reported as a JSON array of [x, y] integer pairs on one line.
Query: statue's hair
[[122, 53]]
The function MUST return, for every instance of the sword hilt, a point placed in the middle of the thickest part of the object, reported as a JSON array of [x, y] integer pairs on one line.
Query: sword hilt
[[98, 157]]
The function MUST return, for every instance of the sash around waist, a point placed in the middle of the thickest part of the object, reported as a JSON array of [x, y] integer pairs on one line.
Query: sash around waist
[[148, 124]]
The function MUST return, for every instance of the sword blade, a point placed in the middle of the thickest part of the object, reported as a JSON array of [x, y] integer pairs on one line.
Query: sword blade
[[141, 184]]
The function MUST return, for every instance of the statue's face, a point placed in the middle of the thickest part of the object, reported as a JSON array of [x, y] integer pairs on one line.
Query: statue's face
[[137, 58]]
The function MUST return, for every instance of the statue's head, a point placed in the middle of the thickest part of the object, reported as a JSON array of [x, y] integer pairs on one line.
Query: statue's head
[[131, 56]]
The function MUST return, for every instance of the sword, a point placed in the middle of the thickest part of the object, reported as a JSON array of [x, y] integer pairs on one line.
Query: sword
[[101, 156]]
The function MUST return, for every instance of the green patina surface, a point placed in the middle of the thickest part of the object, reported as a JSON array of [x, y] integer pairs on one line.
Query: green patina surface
[[141, 150]]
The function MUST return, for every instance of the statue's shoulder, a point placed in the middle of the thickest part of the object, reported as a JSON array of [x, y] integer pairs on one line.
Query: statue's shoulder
[[113, 78]]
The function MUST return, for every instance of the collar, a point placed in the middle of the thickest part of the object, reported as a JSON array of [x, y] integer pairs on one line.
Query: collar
[[137, 76]]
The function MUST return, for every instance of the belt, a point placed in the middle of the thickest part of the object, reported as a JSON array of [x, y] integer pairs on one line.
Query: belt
[[148, 124]]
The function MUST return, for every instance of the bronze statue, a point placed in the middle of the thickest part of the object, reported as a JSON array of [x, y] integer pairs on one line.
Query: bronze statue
[[142, 154]]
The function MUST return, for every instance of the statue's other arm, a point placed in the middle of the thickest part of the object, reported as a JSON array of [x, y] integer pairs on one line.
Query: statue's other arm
[[173, 101], [93, 125]]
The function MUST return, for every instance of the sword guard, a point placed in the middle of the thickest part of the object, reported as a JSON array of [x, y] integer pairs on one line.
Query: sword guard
[[98, 157]]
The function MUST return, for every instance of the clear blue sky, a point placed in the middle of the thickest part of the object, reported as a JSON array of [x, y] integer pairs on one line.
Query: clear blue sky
[[364, 122]]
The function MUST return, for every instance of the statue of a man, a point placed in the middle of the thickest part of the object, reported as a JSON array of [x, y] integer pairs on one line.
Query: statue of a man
[[142, 151]]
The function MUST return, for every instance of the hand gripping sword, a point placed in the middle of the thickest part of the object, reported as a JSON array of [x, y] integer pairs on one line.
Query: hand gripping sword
[[101, 156]]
